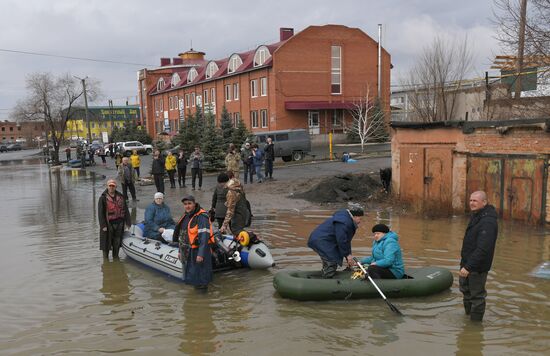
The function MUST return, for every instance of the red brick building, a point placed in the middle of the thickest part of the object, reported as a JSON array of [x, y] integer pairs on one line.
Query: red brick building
[[306, 80], [24, 132]]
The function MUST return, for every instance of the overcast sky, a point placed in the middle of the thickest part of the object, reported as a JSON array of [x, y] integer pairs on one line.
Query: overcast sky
[[140, 31]]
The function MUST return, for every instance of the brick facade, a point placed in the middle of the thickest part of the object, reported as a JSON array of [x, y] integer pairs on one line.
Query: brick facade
[[11, 131], [298, 76], [509, 160]]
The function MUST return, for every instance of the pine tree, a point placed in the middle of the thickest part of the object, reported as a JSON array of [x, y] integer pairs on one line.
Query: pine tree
[[190, 132], [212, 143], [227, 127], [241, 134]]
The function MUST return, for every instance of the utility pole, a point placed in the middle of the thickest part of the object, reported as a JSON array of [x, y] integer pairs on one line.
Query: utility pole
[[83, 80], [112, 113], [521, 47]]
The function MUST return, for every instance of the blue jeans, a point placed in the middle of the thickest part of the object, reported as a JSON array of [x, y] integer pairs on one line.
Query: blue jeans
[[259, 173]]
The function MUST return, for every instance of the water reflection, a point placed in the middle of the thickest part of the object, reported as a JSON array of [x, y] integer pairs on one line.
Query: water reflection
[[470, 339], [116, 286], [199, 330]]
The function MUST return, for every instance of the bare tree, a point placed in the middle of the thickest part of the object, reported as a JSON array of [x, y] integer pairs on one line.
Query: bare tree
[[436, 79], [368, 119], [52, 99], [507, 18]]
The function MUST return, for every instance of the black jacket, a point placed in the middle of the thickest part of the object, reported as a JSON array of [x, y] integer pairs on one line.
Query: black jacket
[[269, 150], [158, 166], [480, 239]]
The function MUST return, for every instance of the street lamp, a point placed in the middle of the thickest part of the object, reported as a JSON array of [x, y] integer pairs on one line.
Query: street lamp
[[83, 80]]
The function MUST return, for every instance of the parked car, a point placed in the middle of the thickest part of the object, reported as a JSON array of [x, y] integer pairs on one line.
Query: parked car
[[14, 147], [3, 148], [129, 146], [288, 144], [95, 146]]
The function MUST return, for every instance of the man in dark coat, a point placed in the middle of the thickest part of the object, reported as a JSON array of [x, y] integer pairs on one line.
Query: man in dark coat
[[113, 215], [158, 171], [195, 236], [269, 150], [127, 177], [477, 253], [332, 239]]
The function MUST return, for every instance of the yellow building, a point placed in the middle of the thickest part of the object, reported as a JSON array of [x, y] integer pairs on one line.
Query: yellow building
[[102, 120]]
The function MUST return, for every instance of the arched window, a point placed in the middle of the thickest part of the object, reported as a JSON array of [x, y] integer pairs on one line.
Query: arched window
[[235, 62], [175, 80], [211, 69], [262, 55], [160, 84], [192, 75]]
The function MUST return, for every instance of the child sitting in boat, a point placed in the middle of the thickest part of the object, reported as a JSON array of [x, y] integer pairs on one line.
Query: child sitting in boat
[[386, 261], [159, 224]]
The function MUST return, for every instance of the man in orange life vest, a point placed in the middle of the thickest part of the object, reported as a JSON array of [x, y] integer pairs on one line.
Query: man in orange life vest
[[113, 215], [195, 236]]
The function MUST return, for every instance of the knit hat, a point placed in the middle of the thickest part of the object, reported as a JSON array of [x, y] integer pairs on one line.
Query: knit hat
[[356, 211], [159, 195], [381, 228]]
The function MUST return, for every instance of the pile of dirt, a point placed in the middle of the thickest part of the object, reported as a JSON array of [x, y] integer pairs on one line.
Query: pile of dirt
[[340, 188]]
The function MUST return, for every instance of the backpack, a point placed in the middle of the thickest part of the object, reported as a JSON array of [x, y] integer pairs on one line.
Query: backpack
[[248, 220]]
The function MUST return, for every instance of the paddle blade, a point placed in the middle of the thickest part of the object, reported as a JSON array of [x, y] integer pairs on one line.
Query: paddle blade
[[393, 308]]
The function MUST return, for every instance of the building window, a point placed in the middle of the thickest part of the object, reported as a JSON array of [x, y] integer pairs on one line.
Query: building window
[[263, 117], [228, 92], [187, 101], [160, 84], [213, 95], [211, 69], [192, 75], [161, 104], [337, 118], [262, 54], [205, 95], [236, 91], [170, 103], [254, 119], [235, 62], [254, 88], [336, 70], [175, 80], [176, 103], [236, 119], [263, 86], [193, 99]]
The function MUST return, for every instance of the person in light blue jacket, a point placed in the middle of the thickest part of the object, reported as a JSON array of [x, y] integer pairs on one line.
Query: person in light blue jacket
[[386, 261], [157, 218]]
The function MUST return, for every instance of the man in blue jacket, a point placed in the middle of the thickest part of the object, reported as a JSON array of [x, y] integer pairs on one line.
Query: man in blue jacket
[[386, 261], [332, 239]]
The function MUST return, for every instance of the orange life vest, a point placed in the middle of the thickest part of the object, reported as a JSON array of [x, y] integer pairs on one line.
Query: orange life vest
[[193, 232]]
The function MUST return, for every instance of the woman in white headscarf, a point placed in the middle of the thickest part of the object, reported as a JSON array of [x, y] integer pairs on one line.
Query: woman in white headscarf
[[158, 220]]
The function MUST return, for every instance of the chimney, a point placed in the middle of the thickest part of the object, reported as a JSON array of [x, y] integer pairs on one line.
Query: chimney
[[285, 33], [177, 60], [164, 62]]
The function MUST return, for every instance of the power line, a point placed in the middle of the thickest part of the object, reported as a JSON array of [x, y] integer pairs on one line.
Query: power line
[[74, 58]]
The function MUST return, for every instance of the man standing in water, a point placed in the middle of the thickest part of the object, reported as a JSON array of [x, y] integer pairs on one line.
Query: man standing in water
[[477, 253], [113, 215], [332, 239], [195, 236]]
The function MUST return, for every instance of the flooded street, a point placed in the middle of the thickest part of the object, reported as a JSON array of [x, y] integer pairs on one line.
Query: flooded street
[[60, 297]]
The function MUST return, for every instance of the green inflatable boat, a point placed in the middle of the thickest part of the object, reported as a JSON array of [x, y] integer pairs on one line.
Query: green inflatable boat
[[308, 285]]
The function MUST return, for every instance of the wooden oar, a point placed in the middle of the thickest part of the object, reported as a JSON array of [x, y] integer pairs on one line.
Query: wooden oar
[[392, 307]]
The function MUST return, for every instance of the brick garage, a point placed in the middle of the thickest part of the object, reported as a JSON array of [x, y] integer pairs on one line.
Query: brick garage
[[436, 166]]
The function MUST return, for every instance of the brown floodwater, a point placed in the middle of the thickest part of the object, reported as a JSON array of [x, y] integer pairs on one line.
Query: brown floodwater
[[58, 295]]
